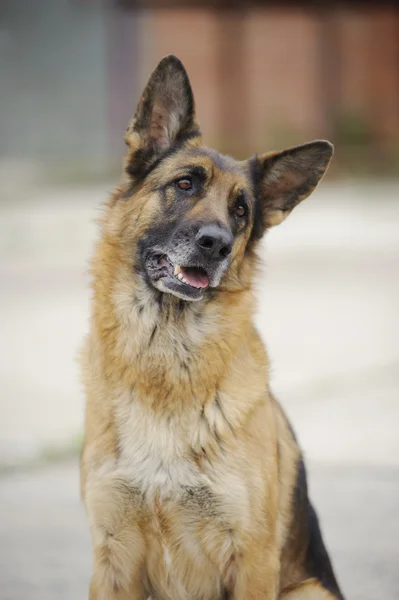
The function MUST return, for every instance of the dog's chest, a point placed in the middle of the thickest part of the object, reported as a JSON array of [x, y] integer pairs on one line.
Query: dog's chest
[[191, 515], [155, 453]]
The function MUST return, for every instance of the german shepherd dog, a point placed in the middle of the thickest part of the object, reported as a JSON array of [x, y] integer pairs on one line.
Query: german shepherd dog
[[194, 484]]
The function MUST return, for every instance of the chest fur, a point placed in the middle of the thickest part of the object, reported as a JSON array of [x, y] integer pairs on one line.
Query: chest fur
[[194, 503], [168, 453], [191, 461]]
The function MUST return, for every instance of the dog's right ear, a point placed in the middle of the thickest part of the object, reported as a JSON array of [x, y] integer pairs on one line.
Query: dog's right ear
[[288, 177], [165, 116]]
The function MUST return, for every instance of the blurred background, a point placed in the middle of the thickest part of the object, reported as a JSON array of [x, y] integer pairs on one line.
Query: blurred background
[[265, 75]]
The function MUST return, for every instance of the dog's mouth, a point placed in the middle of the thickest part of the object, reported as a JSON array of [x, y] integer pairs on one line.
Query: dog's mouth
[[194, 276], [183, 280]]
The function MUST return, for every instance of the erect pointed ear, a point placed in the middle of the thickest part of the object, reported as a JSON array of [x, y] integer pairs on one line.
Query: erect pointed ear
[[286, 178], [165, 115]]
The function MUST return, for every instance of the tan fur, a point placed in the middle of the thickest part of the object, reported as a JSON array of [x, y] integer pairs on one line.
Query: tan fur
[[308, 590], [189, 465]]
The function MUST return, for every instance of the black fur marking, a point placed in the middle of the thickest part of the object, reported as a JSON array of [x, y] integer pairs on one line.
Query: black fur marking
[[152, 335], [143, 161], [185, 367], [138, 305], [185, 347], [220, 161], [202, 500], [258, 226], [180, 308], [317, 562], [168, 312], [225, 595], [195, 171], [158, 296], [240, 224]]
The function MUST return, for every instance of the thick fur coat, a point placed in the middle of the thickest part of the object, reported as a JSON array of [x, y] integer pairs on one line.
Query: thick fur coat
[[193, 481]]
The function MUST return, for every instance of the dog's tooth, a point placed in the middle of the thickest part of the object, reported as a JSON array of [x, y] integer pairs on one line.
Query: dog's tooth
[[177, 270], [180, 276], [184, 280]]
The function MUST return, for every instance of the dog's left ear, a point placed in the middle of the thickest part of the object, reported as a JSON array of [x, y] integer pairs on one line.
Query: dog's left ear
[[164, 116], [286, 178]]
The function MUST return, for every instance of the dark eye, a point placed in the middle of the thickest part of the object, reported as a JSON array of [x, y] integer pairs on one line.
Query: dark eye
[[184, 184], [241, 210]]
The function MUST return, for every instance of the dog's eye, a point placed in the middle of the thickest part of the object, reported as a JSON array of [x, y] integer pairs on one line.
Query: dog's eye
[[184, 184], [241, 210]]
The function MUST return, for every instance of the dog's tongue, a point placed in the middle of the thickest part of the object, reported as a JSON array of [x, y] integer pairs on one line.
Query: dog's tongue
[[195, 277]]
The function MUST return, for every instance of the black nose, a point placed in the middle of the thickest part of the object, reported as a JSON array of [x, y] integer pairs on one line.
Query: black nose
[[215, 241]]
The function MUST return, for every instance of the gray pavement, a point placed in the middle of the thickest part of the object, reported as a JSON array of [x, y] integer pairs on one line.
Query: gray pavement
[[328, 301]]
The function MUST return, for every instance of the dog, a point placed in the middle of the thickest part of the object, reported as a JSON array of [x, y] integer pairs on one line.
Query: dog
[[191, 476]]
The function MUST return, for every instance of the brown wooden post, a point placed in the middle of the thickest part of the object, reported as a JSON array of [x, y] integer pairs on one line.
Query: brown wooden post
[[383, 100], [330, 68], [233, 92]]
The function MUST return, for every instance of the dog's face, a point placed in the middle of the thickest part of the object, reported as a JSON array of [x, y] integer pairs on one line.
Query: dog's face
[[205, 218], [199, 214]]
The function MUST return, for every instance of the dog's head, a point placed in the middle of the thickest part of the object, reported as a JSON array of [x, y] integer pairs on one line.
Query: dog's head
[[192, 214]]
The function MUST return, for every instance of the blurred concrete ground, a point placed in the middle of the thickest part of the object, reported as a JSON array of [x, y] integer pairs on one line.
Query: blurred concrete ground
[[328, 303]]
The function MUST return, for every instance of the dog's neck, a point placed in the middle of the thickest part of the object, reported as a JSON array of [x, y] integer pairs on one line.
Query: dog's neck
[[168, 351]]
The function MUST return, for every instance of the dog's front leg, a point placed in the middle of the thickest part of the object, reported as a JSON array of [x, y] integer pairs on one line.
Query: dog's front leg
[[257, 577], [104, 586], [114, 511]]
